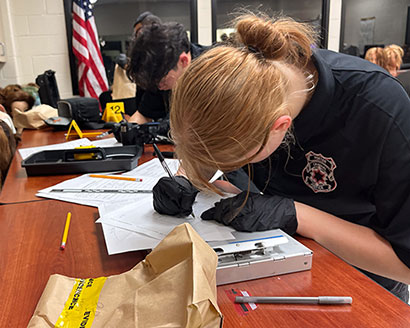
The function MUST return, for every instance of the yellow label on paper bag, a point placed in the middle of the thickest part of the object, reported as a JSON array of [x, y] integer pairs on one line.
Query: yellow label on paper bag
[[79, 310]]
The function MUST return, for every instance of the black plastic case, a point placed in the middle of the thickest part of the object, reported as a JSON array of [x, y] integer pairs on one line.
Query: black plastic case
[[72, 161]]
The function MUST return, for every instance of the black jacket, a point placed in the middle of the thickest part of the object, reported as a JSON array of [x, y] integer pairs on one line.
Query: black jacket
[[351, 151]]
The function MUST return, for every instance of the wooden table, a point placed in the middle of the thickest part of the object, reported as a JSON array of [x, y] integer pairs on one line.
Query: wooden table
[[30, 236]]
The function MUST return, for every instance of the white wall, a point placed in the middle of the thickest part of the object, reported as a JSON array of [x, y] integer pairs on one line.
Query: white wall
[[390, 23], [114, 19], [307, 10], [205, 22], [35, 36], [335, 15]]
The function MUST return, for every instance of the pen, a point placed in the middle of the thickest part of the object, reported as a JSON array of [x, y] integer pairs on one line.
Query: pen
[[336, 300], [121, 191], [102, 135], [67, 225], [162, 160], [116, 177], [165, 154]]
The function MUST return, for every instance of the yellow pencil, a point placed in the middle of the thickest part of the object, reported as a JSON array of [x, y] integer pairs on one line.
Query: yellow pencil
[[117, 177], [67, 225]]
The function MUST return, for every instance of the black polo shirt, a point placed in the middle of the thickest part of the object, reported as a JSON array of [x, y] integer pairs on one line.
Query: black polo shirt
[[351, 151], [155, 104]]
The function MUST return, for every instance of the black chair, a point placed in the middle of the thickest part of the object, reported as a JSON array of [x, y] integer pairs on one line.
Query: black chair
[[48, 91], [404, 78]]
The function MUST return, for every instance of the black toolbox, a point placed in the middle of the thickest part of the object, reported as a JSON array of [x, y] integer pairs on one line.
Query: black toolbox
[[83, 160]]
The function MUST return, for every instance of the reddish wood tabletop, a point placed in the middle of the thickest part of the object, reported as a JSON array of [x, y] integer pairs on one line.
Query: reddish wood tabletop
[[30, 236]]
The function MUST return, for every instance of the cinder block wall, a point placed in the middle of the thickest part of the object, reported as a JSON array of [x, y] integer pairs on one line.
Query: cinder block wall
[[35, 37]]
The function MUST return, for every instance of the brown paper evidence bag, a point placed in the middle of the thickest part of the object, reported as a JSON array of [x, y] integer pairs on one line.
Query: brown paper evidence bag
[[175, 286]]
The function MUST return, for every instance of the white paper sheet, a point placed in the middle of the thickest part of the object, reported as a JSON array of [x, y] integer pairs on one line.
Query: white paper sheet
[[129, 221], [26, 152], [141, 217], [120, 241], [107, 142], [87, 182], [153, 168]]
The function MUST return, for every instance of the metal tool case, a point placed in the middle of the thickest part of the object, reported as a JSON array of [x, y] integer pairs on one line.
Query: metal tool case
[[259, 254]]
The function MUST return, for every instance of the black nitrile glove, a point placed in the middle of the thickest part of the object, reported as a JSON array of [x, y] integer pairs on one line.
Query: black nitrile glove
[[174, 197], [261, 212]]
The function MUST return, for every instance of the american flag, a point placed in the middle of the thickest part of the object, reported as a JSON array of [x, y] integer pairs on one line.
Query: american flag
[[92, 79]]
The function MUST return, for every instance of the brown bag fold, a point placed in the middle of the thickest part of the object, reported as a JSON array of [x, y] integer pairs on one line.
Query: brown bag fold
[[174, 286]]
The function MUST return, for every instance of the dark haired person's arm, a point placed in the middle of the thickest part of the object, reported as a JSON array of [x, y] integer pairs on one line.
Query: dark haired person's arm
[[137, 117], [151, 106]]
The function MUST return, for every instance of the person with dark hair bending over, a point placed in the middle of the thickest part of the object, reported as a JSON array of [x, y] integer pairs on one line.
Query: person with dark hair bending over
[[146, 18], [122, 87], [159, 54], [328, 136]]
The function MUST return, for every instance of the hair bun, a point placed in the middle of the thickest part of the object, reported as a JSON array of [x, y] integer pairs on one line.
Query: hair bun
[[282, 39]]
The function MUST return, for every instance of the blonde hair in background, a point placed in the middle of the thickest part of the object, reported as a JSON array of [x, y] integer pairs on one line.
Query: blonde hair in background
[[377, 56], [394, 58], [226, 102]]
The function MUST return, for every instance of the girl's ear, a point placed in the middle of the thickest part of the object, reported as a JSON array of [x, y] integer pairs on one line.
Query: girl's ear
[[282, 124]]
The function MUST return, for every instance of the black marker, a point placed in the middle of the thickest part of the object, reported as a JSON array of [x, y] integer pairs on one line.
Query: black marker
[[163, 163], [165, 154]]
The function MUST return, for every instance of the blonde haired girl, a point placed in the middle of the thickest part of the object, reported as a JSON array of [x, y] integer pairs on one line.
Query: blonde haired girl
[[329, 136], [394, 58], [377, 56]]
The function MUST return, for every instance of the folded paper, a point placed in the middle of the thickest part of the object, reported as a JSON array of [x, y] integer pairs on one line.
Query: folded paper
[[33, 118]]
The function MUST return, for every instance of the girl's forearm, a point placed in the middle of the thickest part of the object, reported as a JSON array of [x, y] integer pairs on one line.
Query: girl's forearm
[[358, 245]]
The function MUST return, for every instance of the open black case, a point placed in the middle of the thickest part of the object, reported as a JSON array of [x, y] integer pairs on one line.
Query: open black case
[[74, 161]]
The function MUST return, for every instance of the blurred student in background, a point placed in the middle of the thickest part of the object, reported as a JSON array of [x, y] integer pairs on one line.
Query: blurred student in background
[[159, 54], [389, 57], [377, 56], [394, 58], [123, 87]]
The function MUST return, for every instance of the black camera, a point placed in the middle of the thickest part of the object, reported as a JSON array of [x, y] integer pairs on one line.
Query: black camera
[[140, 134]]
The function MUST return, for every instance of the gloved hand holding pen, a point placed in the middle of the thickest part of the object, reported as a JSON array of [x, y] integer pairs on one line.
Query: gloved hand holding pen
[[173, 195]]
